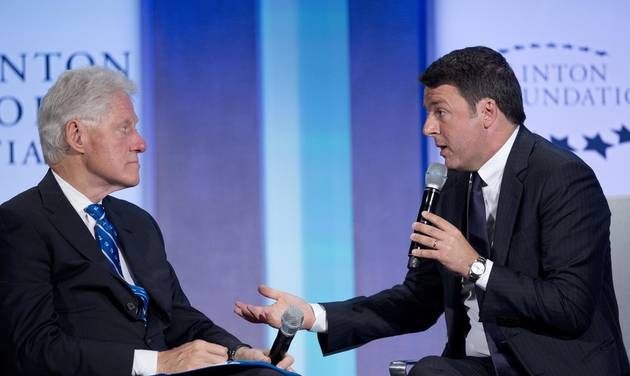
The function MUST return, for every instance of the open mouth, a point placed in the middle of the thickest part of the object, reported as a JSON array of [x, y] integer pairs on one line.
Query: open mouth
[[443, 149]]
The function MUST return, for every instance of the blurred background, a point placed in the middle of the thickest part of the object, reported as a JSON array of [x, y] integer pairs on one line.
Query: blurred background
[[284, 136]]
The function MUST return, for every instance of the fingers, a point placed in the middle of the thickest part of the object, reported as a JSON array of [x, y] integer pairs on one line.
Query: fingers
[[250, 313], [241, 310], [191, 355], [429, 230], [426, 253], [286, 362], [258, 315], [238, 310], [268, 292], [424, 240], [438, 221], [245, 353]]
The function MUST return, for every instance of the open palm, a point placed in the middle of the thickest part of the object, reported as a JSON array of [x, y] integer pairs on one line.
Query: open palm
[[271, 314]]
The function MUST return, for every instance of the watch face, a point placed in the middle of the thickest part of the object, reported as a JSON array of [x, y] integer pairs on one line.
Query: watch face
[[478, 268]]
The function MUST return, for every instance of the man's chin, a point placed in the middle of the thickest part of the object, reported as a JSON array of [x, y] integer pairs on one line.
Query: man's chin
[[129, 183], [454, 166], [450, 164], [133, 183]]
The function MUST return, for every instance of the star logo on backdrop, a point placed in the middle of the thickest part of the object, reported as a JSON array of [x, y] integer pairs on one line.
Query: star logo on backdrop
[[562, 142], [623, 133], [597, 144]]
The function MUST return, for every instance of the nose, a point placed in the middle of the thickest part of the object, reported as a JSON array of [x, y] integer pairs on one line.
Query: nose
[[431, 126], [138, 143]]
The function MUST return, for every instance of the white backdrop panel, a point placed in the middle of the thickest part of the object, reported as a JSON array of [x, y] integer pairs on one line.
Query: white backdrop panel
[[571, 60]]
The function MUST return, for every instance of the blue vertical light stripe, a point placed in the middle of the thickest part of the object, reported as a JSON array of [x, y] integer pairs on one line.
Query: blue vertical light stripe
[[307, 169], [426, 16], [326, 164], [149, 167], [281, 152]]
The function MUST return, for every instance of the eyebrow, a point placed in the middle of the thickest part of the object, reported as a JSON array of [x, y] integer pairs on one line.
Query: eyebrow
[[128, 122], [435, 103]]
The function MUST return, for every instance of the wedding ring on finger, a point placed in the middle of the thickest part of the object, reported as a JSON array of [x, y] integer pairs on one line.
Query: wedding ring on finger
[[435, 244]]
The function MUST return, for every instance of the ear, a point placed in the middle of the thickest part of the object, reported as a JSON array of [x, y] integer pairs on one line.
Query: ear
[[76, 135], [489, 111]]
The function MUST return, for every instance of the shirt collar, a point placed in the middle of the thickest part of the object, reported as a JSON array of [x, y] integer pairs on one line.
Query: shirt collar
[[492, 171], [76, 198]]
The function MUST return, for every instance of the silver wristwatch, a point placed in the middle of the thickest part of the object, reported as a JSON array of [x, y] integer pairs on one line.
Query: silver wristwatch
[[477, 268]]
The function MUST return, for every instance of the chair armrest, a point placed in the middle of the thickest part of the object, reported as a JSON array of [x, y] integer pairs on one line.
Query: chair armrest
[[399, 367]]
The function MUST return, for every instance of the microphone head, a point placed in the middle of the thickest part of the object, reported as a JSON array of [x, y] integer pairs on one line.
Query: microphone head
[[436, 176], [291, 321]]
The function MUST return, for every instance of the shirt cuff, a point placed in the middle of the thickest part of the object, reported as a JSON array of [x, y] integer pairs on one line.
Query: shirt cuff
[[482, 282], [321, 323], [144, 362]]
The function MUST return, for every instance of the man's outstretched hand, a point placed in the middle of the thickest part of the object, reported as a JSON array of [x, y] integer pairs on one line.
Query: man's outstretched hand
[[271, 314]]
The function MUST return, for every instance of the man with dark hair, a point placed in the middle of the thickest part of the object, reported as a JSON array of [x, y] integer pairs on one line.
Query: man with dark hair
[[478, 73], [517, 259], [85, 284]]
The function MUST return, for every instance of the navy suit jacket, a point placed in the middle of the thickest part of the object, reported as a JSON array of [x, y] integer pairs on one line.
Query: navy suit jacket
[[550, 291], [63, 309]]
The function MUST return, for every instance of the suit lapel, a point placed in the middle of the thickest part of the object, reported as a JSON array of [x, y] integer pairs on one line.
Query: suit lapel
[[511, 194], [66, 220]]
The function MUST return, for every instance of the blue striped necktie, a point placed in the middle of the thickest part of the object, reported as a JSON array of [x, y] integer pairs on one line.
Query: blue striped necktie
[[107, 238]]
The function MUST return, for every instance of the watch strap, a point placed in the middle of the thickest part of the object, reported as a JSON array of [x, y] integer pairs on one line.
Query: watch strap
[[472, 276], [232, 351]]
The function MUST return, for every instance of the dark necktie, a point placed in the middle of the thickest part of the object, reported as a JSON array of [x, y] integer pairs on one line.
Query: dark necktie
[[478, 239], [477, 225], [107, 238]]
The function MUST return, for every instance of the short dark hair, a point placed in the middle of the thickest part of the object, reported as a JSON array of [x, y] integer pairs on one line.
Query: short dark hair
[[479, 72]]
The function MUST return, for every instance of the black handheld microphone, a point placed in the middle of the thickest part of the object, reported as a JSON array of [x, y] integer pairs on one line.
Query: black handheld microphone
[[434, 180], [290, 323]]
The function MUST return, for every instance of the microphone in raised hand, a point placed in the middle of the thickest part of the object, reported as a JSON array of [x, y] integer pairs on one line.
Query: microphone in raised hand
[[435, 179]]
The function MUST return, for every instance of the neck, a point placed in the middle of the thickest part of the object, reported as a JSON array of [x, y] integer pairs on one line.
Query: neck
[[91, 187], [497, 137]]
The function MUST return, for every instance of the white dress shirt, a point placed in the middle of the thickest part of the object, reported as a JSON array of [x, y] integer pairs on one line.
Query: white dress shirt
[[144, 361], [492, 174]]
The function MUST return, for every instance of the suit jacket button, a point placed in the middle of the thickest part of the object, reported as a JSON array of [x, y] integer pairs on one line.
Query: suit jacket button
[[131, 306], [149, 340]]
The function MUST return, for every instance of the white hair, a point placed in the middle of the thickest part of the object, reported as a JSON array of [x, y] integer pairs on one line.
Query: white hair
[[78, 94]]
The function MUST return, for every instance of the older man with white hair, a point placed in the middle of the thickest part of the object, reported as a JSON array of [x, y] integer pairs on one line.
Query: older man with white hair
[[85, 285]]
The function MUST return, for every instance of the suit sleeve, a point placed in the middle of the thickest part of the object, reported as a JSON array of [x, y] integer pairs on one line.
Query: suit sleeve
[[413, 306], [28, 321], [573, 244]]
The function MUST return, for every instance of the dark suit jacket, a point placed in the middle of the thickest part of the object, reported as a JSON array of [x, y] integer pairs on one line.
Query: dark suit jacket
[[550, 291], [64, 311]]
